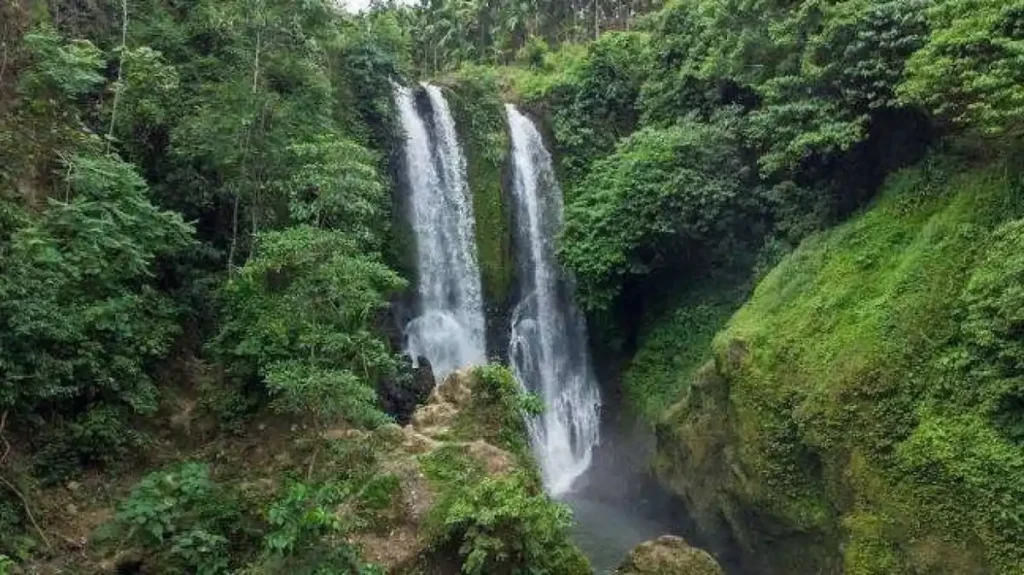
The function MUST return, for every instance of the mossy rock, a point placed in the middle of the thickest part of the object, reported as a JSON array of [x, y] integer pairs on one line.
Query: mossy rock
[[669, 555], [483, 130], [859, 415]]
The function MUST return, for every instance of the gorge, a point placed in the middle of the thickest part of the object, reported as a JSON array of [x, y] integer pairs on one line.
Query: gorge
[[548, 342], [477, 287]]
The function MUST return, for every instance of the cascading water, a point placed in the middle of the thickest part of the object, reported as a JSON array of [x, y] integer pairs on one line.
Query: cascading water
[[548, 348], [449, 330]]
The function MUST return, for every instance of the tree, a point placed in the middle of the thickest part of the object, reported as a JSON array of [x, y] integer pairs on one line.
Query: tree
[[82, 319], [300, 317], [969, 73], [666, 198]]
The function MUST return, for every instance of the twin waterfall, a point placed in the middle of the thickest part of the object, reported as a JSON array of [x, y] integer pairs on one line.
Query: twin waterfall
[[548, 349], [449, 330], [547, 335]]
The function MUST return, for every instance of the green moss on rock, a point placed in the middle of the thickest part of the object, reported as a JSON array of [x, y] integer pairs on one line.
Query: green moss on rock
[[480, 119], [669, 555], [677, 342], [862, 410]]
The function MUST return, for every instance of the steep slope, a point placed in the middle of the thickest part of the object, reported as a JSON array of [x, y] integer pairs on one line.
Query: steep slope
[[863, 411]]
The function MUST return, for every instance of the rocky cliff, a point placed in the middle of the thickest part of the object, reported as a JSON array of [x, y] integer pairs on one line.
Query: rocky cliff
[[862, 412]]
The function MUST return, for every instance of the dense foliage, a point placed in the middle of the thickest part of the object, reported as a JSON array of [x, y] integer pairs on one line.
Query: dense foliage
[[193, 201], [196, 225], [873, 388], [665, 196], [818, 98], [968, 73], [504, 526], [192, 521], [832, 430], [452, 32]]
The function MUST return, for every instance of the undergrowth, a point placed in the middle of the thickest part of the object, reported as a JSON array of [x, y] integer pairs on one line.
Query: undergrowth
[[677, 343], [874, 379]]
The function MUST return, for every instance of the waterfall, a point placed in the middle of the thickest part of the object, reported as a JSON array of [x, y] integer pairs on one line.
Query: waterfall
[[548, 348], [449, 330]]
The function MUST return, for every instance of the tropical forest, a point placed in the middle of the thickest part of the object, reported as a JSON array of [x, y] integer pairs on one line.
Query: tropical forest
[[512, 287]]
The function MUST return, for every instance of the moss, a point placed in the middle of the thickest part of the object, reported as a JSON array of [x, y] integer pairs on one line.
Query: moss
[[676, 343], [841, 385], [480, 119], [496, 413], [669, 555]]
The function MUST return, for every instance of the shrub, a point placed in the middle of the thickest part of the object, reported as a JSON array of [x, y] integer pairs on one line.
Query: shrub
[[991, 323], [666, 198], [306, 532], [186, 519], [968, 72], [534, 52], [300, 318], [500, 406], [501, 525], [81, 320], [595, 101]]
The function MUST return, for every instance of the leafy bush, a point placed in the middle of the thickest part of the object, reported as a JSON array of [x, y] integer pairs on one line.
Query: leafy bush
[[300, 317], [667, 197], [595, 101], [82, 320], [534, 52], [851, 67], [968, 72], [306, 532], [499, 410], [991, 323], [61, 72], [189, 521], [503, 525]]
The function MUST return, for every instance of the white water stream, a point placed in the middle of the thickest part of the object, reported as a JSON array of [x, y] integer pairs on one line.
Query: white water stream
[[449, 330], [548, 347]]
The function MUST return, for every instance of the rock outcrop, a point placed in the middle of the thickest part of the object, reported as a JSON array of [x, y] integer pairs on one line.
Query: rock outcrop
[[432, 427], [669, 555]]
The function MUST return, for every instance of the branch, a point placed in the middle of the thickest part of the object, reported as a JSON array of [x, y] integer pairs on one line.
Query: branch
[[7, 444], [245, 155], [120, 69], [24, 502], [28, 511]]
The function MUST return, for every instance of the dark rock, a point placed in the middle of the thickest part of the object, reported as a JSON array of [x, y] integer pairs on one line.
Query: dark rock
[[401, 395]]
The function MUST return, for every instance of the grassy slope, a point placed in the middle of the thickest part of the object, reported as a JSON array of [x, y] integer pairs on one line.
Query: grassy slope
[[676, 343], [831, 429]]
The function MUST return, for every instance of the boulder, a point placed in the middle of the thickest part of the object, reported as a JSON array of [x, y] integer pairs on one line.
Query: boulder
[[669, 555], [401, 395]]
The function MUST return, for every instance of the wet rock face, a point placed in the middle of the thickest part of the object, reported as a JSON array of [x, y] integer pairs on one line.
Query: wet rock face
[[401, 395], [669, 555]]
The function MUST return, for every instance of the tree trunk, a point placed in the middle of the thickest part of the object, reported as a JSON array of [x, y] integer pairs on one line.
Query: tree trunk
[[120, 71], [245, 154]]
